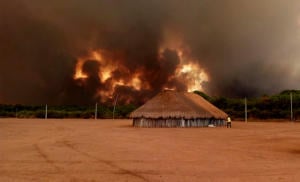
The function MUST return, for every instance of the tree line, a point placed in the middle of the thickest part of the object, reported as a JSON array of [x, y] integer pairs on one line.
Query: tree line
[[276, 106], [68, 111], [264, 107]]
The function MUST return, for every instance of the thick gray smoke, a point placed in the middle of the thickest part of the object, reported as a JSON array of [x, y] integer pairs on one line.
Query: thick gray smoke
[[247, 48]]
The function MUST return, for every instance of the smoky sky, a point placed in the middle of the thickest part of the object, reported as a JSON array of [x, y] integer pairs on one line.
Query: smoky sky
[[248, 48]]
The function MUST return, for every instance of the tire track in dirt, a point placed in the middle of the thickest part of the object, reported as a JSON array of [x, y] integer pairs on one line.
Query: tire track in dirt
[[109, 163], [45, 157]]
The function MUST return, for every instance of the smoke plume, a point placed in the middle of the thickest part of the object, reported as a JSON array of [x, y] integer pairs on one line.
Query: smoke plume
[[86, 51]]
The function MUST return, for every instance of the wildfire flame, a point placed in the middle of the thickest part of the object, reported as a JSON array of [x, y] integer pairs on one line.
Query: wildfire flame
[[78, 73], [195, 76], [189, 70], [105, 74]]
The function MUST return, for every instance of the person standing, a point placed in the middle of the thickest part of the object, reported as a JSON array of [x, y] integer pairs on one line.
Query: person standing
[[228, 122]]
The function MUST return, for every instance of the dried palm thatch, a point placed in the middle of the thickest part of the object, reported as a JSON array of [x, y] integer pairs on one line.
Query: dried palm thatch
[[181, 105]]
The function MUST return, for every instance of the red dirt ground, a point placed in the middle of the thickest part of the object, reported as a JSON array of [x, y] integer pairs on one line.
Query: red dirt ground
[[111, 150]]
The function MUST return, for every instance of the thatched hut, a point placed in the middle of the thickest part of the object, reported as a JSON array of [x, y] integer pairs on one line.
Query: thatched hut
[[178, 109]]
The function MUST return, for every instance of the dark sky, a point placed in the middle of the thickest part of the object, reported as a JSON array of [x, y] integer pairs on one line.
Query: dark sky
[[247, 48]]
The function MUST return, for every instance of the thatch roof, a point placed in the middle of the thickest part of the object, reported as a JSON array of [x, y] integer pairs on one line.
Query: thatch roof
[[172, 104]]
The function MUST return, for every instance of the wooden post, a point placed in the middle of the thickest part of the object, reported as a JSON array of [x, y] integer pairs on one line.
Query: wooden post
[[246, 114], [115, 106], [46, 112], [96, 110], [291, 98]]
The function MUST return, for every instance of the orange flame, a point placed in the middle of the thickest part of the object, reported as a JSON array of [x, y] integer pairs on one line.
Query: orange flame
[[78, 70], [188, 70], [106, 70]]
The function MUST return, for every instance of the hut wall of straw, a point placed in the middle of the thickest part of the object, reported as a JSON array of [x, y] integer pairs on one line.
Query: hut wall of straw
[[176, 123]]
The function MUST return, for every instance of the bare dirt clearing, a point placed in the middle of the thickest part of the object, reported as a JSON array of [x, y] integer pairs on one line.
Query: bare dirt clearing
[[111, 150]]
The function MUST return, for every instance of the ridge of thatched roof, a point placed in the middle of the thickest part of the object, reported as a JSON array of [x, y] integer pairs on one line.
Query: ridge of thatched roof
[[173, 104]]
